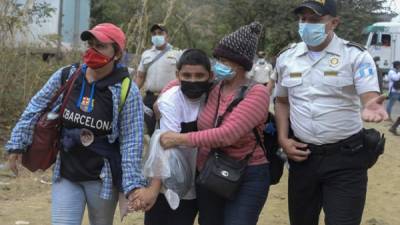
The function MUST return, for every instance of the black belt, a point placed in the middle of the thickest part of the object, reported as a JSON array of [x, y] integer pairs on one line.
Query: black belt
[[351, 144]]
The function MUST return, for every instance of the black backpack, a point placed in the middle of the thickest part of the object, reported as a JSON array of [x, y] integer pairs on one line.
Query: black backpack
[[270, 141]]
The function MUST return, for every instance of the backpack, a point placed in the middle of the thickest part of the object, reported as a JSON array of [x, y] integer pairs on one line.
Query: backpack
[[125, 85], [269, 143]]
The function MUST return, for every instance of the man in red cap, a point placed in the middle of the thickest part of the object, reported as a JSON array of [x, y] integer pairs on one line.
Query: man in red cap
[[90, 174]]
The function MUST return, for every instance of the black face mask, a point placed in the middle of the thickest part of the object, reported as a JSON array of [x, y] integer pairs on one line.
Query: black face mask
[[194, 90]]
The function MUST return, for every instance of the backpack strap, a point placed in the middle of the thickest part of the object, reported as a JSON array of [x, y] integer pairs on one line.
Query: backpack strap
[[65, 72], [259, 141], [125, 87]]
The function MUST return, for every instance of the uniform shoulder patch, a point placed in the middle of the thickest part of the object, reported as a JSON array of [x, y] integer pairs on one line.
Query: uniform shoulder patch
[[357, 45], [290, 46]]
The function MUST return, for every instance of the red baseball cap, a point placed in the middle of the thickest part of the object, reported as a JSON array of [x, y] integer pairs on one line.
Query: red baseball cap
[[106, 33]]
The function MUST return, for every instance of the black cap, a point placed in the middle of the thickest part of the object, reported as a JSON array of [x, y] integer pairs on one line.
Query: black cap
[[158, 26], [320, 7]]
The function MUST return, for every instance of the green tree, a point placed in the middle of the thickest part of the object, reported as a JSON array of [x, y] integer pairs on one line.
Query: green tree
[[202, 23], [15, 17]]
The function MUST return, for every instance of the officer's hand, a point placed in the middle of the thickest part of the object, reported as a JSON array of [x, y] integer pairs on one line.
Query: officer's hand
[[374, 111], [295, 151], [13, 160]]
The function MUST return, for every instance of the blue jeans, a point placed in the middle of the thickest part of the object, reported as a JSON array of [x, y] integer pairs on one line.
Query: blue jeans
[[69, 200], [393, 97], [244, 209]]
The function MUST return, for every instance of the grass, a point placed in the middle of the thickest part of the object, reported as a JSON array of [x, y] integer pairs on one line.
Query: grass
[[22, 74]]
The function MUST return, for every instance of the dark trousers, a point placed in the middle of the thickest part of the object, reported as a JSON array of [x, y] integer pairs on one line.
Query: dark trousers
[[162, 214], [336, 182], [150, 121], [244, 209]]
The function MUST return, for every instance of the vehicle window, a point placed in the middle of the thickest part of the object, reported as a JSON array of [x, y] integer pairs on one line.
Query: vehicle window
[[385, 40]]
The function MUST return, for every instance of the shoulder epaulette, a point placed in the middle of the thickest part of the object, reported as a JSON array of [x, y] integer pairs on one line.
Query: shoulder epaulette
[[290, 46], [357, 45]]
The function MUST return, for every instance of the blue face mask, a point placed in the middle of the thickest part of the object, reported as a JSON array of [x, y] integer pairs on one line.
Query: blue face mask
[[313, 34], [223, 72], [158, 40]]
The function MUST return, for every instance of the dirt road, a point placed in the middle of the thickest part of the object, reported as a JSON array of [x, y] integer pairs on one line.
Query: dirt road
[[28, 199]]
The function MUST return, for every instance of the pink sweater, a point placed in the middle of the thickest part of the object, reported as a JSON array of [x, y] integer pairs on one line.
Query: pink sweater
[[235, 135]]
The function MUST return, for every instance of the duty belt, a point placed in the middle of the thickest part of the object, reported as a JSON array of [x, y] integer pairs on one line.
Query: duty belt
[[351, 144]]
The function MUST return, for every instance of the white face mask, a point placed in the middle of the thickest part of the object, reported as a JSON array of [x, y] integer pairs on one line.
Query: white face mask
[[158, 40]]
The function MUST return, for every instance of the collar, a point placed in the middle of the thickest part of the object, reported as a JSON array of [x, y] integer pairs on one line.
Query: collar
[[117, 75], [333, 47]]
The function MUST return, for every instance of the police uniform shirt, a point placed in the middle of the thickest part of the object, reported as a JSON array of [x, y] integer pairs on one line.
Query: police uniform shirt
[[162, 71], [324, 92], [260, 72]]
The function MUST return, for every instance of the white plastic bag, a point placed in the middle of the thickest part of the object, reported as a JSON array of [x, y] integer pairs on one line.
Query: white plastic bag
[[171, 166], [156, 164]]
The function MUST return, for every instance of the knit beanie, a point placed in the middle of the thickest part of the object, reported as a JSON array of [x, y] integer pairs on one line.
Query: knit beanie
[[240, 46]]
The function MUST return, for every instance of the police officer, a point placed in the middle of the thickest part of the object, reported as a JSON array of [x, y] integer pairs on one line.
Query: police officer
[[261, 71], [157, 67], [320, 83]]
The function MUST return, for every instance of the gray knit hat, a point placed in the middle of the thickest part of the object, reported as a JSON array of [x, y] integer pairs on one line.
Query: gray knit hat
[[241, 45]]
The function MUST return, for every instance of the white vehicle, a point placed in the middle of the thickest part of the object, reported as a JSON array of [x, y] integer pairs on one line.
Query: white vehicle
[[384, 42]]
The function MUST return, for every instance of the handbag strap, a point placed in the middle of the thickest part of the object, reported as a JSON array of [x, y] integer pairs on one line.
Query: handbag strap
[[68, 87], [238, 98], [61, 90], [259, 141]]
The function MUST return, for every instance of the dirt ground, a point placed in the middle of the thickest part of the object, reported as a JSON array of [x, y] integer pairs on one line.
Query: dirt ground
[[27, 198]]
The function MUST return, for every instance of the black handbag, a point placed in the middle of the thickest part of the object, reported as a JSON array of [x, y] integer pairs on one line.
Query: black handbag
[[221, 173]]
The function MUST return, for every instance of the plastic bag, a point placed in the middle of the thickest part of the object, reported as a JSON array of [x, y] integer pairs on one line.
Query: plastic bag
[[171, 166], [156, 164]]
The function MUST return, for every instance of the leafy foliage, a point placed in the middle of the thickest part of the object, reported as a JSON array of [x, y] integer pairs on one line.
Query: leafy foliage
[[202, 23], [16, 17]]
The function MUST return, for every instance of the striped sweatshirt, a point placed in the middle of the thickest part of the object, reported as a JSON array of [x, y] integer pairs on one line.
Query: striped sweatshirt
[[235, 135]]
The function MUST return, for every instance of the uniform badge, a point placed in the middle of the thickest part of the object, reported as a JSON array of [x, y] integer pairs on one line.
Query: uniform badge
[[295, 75], [331, 73], [334, 61], [85, 104]]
